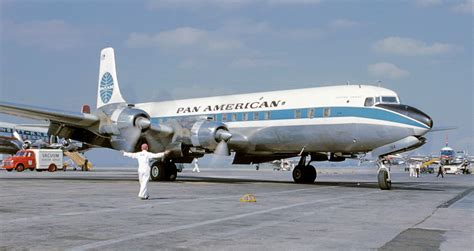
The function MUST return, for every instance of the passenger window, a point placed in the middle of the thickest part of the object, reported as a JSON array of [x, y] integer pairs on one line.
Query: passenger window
[[369, 102], [224, 117], [327, 112], [266, 115], [245, 116], [255, 116], [311, 113], [297, 114], [234, 116]]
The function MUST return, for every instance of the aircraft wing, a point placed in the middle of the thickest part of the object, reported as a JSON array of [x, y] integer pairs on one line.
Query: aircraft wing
[[70, 125], [71, 118]]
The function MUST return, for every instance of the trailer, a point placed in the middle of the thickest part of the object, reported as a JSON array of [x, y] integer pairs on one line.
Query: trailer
[[35, 159]]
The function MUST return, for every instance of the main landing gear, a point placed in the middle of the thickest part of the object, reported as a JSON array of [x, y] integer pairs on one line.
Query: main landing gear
[[163, 171], [304, 173], [383, 175]]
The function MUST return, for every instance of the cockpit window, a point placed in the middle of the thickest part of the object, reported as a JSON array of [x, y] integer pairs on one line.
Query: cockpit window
[[386, 99], [447, 152], [369, 102]]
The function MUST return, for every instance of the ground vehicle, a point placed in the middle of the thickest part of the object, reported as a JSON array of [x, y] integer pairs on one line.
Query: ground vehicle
[[39, 159], [462, 168]]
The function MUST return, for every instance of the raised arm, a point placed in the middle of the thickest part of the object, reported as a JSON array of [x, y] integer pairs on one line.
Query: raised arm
[[131, 155], [161, 155]]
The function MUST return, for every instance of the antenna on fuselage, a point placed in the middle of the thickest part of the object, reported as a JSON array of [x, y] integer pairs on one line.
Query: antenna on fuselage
[[379, 82], [348, 83]]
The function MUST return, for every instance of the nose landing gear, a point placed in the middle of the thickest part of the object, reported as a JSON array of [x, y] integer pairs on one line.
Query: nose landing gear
[[383, 175]]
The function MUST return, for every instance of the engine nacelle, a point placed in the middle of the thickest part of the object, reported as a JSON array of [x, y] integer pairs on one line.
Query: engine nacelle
[[130, 117], [125, 125], [206, 134], [122, 119]]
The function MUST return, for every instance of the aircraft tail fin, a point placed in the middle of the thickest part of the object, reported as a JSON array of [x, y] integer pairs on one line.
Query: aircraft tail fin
[[108, 91]]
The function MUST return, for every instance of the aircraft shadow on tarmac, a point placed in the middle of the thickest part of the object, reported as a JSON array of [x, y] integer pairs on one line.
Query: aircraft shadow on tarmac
[[353, 184], [204, 179]]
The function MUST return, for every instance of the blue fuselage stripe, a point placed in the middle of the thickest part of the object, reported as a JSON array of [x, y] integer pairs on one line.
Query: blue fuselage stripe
[[324, 112]]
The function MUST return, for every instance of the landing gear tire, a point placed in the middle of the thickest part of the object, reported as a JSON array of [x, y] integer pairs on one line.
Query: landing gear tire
[[383, 177], [52, 168], [20, 168], [163, 171], [158, 171], [298, 174], [9, 170], [311, 174], [172, 171], [304, 174]]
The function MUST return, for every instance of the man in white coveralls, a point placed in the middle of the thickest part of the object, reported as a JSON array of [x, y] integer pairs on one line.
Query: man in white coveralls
[[144, 158], [196, 166]]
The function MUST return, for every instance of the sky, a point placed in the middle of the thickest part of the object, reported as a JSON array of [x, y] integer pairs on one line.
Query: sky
[[174, 49]]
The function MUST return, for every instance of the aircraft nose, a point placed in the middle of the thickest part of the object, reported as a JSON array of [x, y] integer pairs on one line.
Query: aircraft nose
[[411, 112]]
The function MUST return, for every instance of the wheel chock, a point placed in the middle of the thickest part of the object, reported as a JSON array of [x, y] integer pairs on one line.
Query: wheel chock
[[248, 198]]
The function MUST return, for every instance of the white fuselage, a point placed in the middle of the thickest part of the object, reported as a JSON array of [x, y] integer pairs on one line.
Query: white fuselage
[[336, 118]]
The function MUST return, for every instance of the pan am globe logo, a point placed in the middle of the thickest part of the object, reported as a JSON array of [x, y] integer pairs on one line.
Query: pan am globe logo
[[106, 87]]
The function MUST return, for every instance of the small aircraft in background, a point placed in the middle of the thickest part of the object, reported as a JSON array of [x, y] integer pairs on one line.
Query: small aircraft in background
[[15, 137]]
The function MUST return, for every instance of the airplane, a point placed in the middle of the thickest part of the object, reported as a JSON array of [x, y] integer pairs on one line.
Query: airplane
[[329, 123], [447, 156], [15, 137]]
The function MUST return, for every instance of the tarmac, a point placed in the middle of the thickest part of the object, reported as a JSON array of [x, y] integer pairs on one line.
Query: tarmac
[[343, 210]]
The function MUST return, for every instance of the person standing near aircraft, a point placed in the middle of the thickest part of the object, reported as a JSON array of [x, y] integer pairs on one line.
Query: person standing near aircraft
[[411, 168], [440, 171], [196, 166], [418, 169], [144, 158]]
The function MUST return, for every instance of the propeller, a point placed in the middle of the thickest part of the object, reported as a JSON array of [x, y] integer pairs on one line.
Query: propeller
[[25, 144], [222, 136], [153, 134], [130, 135]]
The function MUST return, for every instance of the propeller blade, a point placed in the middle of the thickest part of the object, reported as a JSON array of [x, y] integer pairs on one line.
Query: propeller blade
[[222, 136], [129, 136], [18, 137], [132, 135], [222, 149], [127, 140], [151, 140]]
